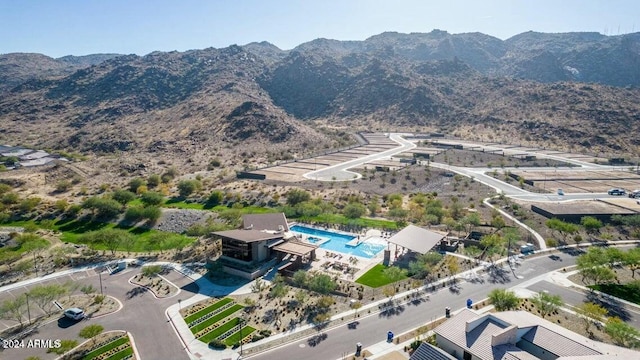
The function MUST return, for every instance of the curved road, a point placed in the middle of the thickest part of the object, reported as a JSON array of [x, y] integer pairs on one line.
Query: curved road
[[340, 172]]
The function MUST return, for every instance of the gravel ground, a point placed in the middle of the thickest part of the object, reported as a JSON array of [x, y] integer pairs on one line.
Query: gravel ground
[[179, 220]]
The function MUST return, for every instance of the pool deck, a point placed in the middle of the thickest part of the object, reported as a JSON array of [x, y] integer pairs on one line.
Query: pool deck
[[336, 263]]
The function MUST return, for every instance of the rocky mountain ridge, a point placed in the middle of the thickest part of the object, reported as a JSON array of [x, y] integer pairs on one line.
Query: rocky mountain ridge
[[563, 90]]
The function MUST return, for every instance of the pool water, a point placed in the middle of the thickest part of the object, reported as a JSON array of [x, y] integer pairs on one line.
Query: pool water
[[338, 242]]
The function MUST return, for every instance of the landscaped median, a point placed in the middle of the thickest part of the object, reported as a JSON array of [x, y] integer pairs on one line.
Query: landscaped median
[[114, 345], [219, 323]]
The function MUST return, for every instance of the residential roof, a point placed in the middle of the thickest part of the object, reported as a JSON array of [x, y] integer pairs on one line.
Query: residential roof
[[427, 351], [295, 248], [273, 222], [508, 331], [417, 239], [556, 343], [247, 235]]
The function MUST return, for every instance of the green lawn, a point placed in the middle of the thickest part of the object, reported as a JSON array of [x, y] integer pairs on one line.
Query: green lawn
[[214, 319], [213, 334], [72, 230], [375, 277], [121, 354], [364, 222], [629, 292], [245, 331], [105, 348], [207, 310]]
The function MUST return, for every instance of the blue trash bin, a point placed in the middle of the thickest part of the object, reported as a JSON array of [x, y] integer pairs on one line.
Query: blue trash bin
[[390, 336], [469, 303]]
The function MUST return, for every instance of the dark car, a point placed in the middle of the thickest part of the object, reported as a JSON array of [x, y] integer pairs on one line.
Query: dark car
[[616, 192]]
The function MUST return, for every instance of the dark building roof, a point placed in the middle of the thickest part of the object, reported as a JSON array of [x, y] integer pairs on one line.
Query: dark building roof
[[248, 235], [273, 222], [429, 352]]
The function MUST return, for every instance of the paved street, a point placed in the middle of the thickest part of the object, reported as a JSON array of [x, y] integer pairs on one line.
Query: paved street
[[142, 315], [575, 297], [340, 171], [373, 329]]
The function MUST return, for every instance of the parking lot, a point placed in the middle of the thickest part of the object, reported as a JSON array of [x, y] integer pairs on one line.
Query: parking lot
[[142, 315]]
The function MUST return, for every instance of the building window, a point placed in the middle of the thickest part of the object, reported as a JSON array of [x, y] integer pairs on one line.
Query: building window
[[466, 356]]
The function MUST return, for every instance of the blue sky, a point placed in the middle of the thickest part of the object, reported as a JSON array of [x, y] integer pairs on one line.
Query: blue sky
[[79, 27]]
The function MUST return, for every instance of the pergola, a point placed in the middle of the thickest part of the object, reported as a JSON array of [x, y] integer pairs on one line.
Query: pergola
[[417, 239]]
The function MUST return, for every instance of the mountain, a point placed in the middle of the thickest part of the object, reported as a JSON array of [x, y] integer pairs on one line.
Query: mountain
[[257, 103], [16, 68]]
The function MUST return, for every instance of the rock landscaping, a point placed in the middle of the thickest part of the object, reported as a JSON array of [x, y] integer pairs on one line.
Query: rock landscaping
[[160, 287]]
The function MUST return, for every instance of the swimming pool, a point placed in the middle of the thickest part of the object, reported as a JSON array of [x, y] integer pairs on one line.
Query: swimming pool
[[338, 242]]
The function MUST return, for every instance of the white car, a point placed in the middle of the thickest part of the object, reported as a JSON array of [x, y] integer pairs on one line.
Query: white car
[[74, 313], [560, 192]]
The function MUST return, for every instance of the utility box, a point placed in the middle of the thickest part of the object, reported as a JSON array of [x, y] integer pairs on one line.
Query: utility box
[[527, 249]]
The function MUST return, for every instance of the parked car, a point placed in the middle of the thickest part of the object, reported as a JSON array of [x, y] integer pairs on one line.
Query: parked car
[[74, 313], [635, 194], [616, 191], [560, 192]]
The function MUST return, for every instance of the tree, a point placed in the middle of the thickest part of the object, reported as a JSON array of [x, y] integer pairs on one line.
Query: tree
[[188, 187], [91, 331], [591, 224], [324, 303], [563, 228], [109, 238], [153, 180], [631, 259], [470, 221], [394, 273], [151, 213], [278, 290], [503, 300], [354, 210], [590, 312], [322, 284], [13, 309], [32, 244], [44, 295], [215, 198], [498, 222], [300, 278], [424, 263], [592, 265], [296, 196], [493, 244], [123, 196], [152, 198], [622, 333], [102, 207], [547, 303], [136, 183]]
